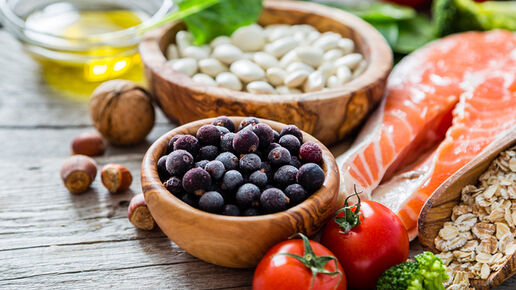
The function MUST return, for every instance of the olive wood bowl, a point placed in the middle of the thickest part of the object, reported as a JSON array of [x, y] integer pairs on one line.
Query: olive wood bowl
[[238, 242], [438, 208], [328, 115]]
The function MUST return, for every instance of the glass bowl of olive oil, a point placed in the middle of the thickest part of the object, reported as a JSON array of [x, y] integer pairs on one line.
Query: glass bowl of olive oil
[[81, 43]]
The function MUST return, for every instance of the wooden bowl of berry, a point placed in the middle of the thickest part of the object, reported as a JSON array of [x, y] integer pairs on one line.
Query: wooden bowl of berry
[[320, 68], [227, 189]]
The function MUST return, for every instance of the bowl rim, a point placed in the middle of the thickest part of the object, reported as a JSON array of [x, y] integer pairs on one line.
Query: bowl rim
[[379, 57], [149, 173]]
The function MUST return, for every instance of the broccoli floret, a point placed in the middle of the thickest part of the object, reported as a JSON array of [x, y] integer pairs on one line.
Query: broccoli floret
[[426, 272]]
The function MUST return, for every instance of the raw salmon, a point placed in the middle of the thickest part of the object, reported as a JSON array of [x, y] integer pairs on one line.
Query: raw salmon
[[467, 80]]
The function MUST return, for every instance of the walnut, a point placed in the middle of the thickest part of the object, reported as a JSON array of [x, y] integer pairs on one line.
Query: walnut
[[122, 112]]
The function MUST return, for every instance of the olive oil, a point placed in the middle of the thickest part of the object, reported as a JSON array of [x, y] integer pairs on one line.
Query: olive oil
[[82, 48]]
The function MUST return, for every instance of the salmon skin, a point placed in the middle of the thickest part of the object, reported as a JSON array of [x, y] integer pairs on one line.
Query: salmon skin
[[444, 103]]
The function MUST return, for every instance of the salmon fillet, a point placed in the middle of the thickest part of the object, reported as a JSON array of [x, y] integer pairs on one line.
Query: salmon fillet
[[467, 80]]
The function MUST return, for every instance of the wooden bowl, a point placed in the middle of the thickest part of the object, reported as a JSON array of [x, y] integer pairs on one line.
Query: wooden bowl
[[238, 242], [438, 208], [328, 115]]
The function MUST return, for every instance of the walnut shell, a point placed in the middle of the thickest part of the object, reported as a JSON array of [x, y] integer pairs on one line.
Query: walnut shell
[[122, 112]]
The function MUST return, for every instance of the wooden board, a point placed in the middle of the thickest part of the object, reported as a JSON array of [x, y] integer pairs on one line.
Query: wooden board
[[51, 239]]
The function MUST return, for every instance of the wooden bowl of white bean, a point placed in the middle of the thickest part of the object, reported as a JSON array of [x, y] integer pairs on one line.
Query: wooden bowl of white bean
[[319, 68]]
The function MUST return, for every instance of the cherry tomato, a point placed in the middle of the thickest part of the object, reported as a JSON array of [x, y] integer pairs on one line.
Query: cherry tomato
[[277, 270], [411, 3], [368, 249]]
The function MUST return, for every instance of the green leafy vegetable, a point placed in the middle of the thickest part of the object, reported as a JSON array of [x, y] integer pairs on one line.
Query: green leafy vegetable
[[389, 30], [413, 33], [426, 272], [373, 11]]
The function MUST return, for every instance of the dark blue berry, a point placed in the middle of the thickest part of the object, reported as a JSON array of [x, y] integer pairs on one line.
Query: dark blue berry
[[258, 178], [296, 193], [208, 152], [211, 201], [276, 136], [273, 200], [170, 147], [231, 210], [295, 162], [248, 195], [264, 133], [251, 212], [190, 199], [188, 143], [267, 169], [285, 175], [178, 162], [173, 184], [292, 130], [197, 181], [310, 152], [201, 164], [272, 146], [224, 121], [208, 135], [248, 121], [250, 162], [229, 160], [232, 180], [222, 130], [291, 143], [245, 141], [162, 168], [279, 156], [310, 176], [216, 169], [226, 142]]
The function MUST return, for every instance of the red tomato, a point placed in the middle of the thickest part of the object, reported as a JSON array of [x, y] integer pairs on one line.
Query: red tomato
[[370, 248], [411, 3], [284, 272]]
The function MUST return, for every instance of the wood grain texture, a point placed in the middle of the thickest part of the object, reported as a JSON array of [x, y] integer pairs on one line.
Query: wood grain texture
[[328, 115], [238, 242], [438, 208]]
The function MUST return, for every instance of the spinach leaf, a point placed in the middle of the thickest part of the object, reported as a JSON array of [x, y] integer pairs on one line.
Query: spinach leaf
[[413, 33], [389, 30], [373, 11]]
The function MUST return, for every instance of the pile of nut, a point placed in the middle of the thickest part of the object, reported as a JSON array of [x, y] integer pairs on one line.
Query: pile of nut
[[277, 59], [479, 239]]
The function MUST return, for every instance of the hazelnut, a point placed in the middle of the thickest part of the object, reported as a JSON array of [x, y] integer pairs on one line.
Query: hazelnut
[[122, 112], [116, 177], [88, 143], [139, 215], [78, 172]]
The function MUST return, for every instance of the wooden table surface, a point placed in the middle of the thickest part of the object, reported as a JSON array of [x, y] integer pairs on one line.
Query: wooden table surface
[[52, 239]]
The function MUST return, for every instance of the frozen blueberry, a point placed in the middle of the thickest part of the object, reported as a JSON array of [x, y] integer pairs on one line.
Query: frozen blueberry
[[291, 143], [248, 195], [173, 184], [273, 145], [216, 169], [258, 178], [251, 212], [250, 162], [208, 135], [162, 168], [292, 130], [229, 160], [201, 164], [222, 130], [310, 152], [231, 210], [273, 200], [248, 121], [245, 141], [224, 121], [190, 199], [232, 180], [285, 175], [295, 162], [310, 176], [267, 169], [188, 143], [279, 156], [208, 152], [226, 142], [211, 201], [170, 147], [178, 162], [264, 133], [276, 136], [296, 193], [197, 181]]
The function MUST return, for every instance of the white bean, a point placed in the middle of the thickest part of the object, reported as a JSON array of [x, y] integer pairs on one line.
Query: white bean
[[299, 66], [344, 74], [211, 66], [275, 32], [333, 55], [326, 69], [299, 36], [315, 82], [296, 78], [351, 60], [305, 28], [247, 71], [312, 36], [327, 41], [276, 76], [310, 55], [260, 87], [360, 68], [249, 38], [281, 46], [188, 66], [333, 82], [229, 81], [183, 40], [265, 60], [347, 45], [288, 58], [284, 90], [227, 53], [172, 52], [220, 40], [196, 52], [204, 79]]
